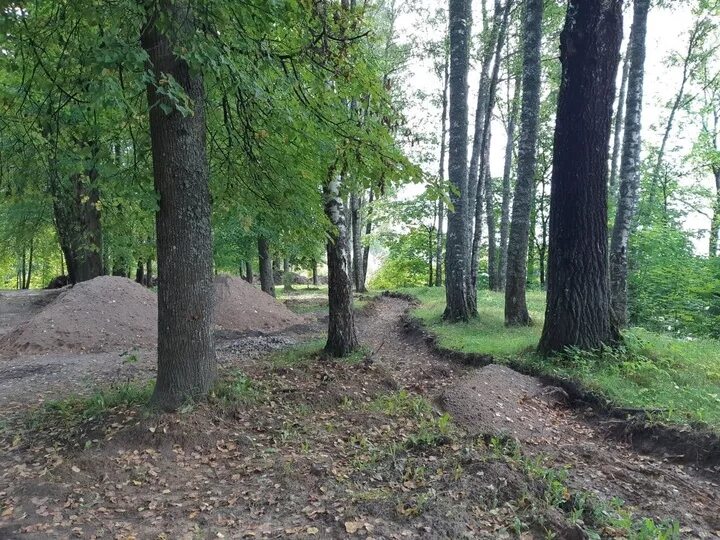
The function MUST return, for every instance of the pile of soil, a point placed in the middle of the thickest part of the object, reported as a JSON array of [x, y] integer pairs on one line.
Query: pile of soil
[[241, 307], [103, 314]]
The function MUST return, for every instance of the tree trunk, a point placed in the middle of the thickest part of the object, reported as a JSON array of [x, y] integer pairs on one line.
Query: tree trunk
[[21, 280], [248, 272], [516, 312], [456, 293], [500, 22], [140, 273], [578, 297], [287, 278], [441, 175], [715, 223], [507, 186], [149, 273], [314, 272], [629, 165], [342, 337], [358, 265], [186, 354], [30, 263], [368, 230], [619, 119], [267, 281]]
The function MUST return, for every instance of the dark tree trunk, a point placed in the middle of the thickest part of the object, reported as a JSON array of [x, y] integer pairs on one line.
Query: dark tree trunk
[[248, 272], [507, 186], [619, 119], [578, 297], [342, 337], [287, 278], [267, 281], [30, 263], [186, 356], [358, 261], [140, 273], [629, 165], [516, 312], [21, 275], [314, 272], [456, 252], [149, 273], [441, 175]]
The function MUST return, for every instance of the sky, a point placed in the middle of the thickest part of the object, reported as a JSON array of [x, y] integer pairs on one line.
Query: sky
[[667, 33]]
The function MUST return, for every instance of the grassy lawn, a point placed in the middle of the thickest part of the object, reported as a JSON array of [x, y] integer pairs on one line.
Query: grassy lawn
[[677, 379]]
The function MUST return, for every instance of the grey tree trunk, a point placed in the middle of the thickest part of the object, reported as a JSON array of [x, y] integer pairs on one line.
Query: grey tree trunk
[[267, 279], [715, 223], [186, 354], [578, 297], [516, 312], [629, 165], [356, 223], [368, 230], [456, 252], [314, 272], [342, 337], [485, 187], [619, 119], [507, 185], [441, 176]]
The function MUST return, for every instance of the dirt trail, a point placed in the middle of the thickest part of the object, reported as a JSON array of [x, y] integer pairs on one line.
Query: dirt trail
[[496, 399]]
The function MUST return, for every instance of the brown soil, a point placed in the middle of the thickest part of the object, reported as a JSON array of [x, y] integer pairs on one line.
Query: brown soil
[[242, 307], [311, 455], [100, 315]]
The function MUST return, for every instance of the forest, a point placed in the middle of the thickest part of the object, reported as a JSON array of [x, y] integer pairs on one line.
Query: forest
[[360, 268]]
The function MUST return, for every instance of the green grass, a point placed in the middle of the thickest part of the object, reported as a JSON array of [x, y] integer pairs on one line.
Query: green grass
[[304, 353], [676, 379]]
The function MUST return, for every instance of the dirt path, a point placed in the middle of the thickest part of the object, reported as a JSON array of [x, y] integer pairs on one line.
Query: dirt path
[[496, 399]]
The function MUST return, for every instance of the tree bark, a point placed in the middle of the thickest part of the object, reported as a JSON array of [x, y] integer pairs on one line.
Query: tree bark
[[248, 272], [267, 281], [368, 230], [149, 273], [186, 354], [516, 312], [619, 119], [578, 297], [629, 165], [456, 252], [715, 222], [356, 222], [507, 186], [140, 273], [314, 272], [342, 337]]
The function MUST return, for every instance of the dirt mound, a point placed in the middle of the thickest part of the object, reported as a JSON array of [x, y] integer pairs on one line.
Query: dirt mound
[[103, 314], [240, 306]]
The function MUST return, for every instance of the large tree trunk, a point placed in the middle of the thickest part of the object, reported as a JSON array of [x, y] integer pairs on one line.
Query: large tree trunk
[[186, 354], [441, 175], [342, 337], [456, 293], [356, 222], [484, 192], [629, 165], [578, 298], [516, 312], [267, 281], [507, 186], [619, 119]]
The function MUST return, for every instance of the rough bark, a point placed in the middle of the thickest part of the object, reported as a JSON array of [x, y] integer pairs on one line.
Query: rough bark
[[342, 337], [186, 355], [267, 281], [356, 224], [507, 186], [619, 119], [456, 293], [629, 165], [149, 273], [249, 272], [578, 298], [441, 176], [140, 273], [516, 312]]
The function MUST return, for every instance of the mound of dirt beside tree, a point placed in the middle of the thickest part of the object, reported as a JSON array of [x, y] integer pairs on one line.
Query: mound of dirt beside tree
[[242, 307], [103, 314]]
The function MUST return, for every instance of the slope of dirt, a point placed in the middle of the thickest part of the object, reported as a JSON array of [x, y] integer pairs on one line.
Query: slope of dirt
[[16, 307], [241, 307], [103, 314]]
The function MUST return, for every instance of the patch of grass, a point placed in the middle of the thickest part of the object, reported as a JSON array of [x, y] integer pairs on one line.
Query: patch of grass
[[676, 379], [310, 351], [234, 388]]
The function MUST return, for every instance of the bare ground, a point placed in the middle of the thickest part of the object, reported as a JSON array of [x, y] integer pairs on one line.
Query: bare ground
[[328, 450]]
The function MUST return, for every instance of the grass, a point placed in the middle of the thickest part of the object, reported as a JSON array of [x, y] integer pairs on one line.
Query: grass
[[306, 352], [678, 380], [314, 299]]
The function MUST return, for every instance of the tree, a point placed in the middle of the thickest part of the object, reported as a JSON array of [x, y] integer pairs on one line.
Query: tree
[[578, 297], [619, 119], [629, 164], [456, 292], [186, 355], [516, 312], [267, 281]]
